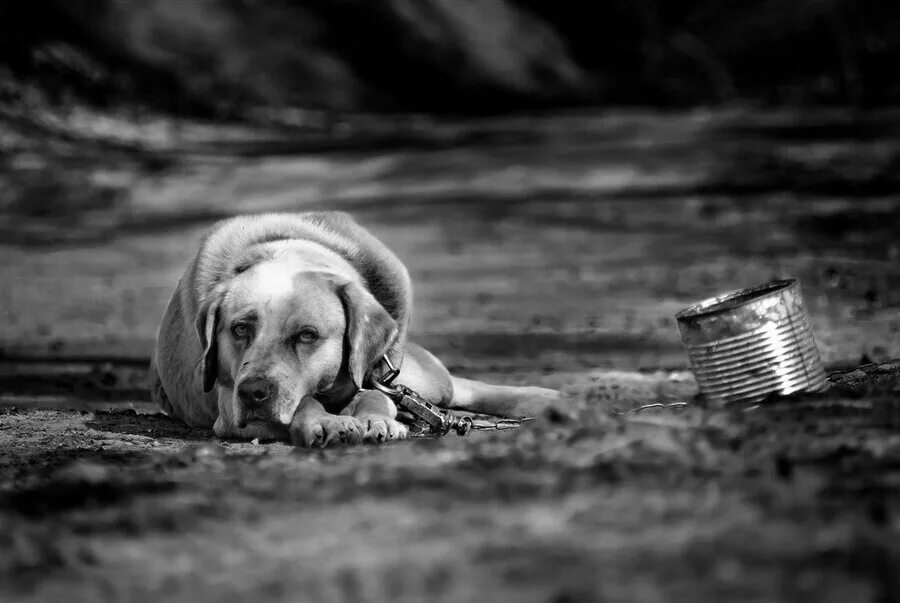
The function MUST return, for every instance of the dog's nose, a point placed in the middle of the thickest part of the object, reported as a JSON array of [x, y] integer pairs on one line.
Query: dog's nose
[[254, 392]]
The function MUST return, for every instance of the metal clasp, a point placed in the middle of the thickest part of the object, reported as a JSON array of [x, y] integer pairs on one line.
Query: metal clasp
[[426, 418], [385, 382]]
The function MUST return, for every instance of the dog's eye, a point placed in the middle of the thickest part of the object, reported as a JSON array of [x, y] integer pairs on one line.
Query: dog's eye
[[240, 330], [307, 336]]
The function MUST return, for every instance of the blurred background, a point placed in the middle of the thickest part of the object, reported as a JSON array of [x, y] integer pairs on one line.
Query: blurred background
[[230, 57], [560, 178], [641, 154]]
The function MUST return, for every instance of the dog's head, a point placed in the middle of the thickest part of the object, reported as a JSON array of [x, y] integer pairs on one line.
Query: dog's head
[[273, 334]]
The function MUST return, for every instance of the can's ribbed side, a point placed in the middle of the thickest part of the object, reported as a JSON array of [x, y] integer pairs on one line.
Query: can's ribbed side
[[753, 343]]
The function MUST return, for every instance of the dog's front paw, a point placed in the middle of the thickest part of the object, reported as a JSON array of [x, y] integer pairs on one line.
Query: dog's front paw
[[380, 428], [324, 429]]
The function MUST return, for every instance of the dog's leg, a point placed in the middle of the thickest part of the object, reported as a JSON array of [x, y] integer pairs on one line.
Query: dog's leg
[[315, 426], [425, 374], [502, 400], [378, 415]]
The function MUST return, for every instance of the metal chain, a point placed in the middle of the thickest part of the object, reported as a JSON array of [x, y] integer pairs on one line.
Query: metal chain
[[426, 419], [657, 405]]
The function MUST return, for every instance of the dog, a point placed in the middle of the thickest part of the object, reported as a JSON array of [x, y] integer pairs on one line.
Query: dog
[[277, 325]]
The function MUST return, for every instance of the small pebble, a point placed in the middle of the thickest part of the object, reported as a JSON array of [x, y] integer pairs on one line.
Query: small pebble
[[209, 450]]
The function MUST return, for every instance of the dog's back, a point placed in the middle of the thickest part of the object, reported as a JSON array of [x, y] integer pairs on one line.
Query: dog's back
[[226, 247]]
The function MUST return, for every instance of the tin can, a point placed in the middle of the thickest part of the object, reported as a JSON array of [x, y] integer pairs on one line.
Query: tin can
[[749, 344]]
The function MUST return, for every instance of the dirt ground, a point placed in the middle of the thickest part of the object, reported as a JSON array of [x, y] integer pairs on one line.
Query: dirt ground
[[551, 251]]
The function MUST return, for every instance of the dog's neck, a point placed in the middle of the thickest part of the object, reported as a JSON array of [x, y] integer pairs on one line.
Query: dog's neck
[[339, 395]]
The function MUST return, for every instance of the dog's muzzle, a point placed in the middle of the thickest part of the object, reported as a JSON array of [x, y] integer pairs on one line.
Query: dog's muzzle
[[256, 396]]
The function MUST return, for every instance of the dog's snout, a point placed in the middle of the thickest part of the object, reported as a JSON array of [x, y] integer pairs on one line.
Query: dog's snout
[[256, 391]]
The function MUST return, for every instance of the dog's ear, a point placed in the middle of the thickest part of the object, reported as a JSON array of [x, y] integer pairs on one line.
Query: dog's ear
[[370, 329], [207, 326]]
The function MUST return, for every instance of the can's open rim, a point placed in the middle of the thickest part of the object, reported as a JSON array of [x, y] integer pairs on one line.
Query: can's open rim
[[734, 299]]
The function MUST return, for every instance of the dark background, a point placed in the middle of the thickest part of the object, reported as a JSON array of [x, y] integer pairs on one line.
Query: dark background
[[221, 57]]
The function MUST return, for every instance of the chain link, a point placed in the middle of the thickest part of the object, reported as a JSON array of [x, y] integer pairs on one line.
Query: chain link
[[424, 418]]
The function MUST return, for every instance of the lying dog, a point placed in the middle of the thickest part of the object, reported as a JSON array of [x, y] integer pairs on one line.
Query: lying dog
[[277, 324]]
